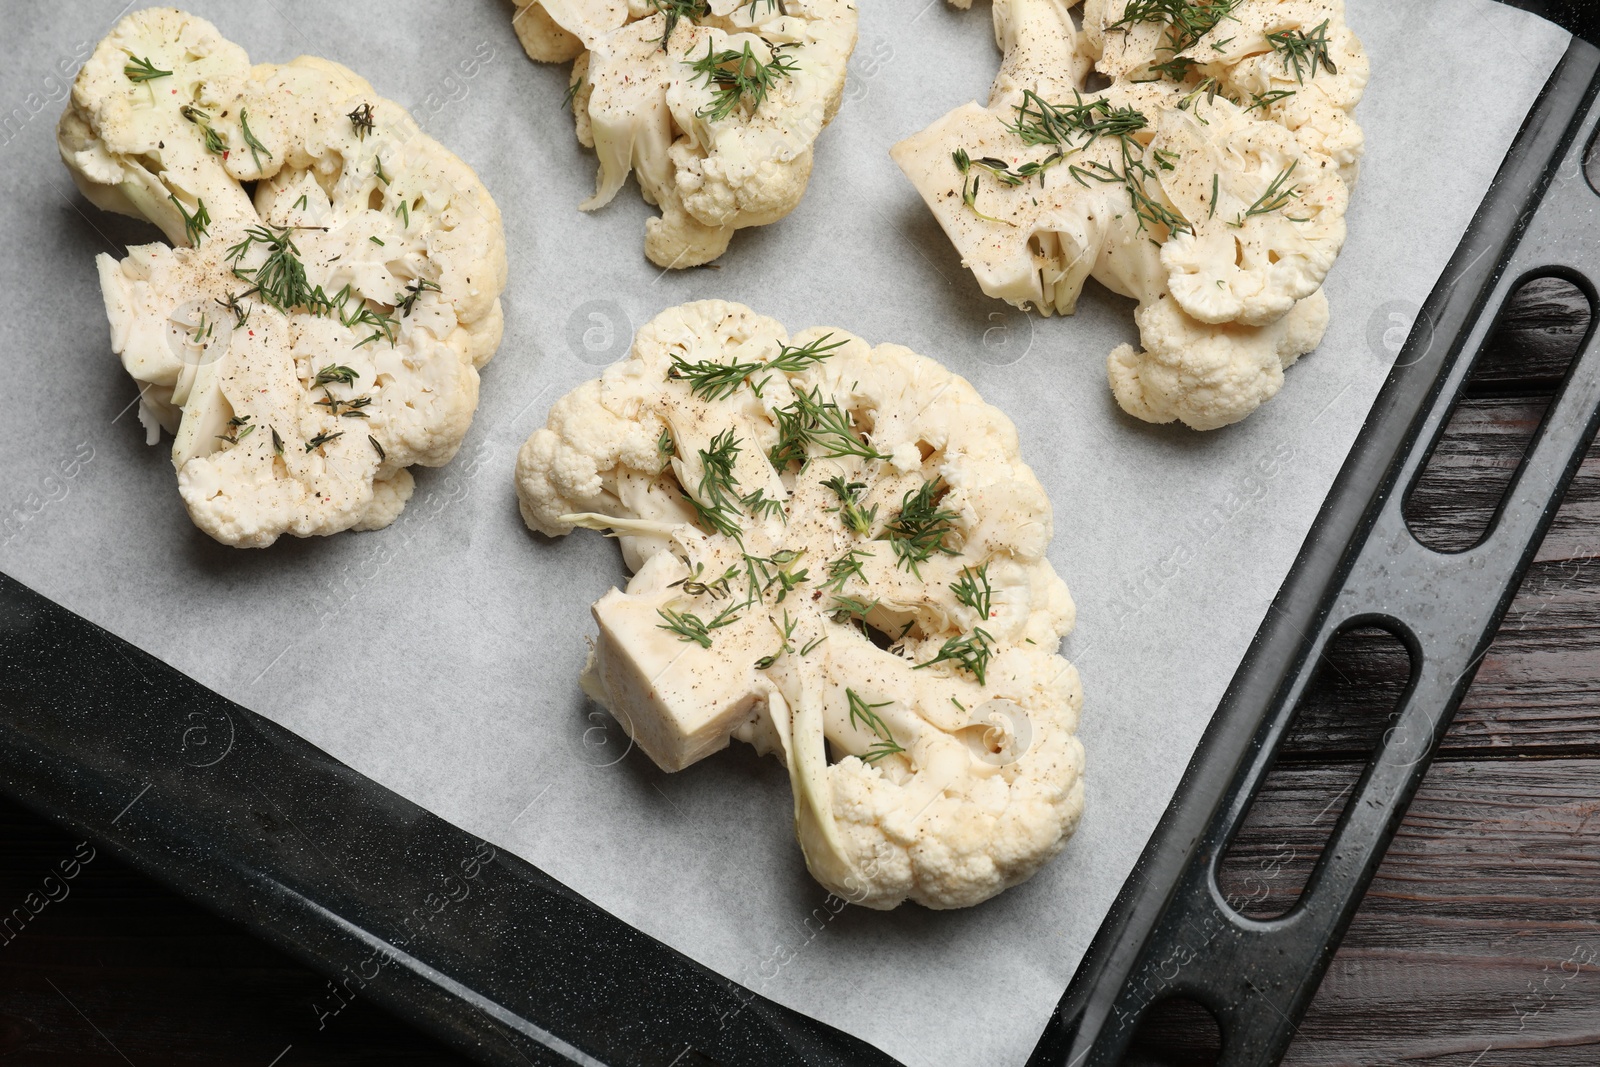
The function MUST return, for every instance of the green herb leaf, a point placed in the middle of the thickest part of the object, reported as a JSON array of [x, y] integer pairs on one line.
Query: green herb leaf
[[322, 439], [676, 11], [196, 225], [335, 372], [970, 653], [855, 518], [739, 77], [361, 121], [866, 717], [141, 70], [255, 146], [921, 527], [1303, 50], [972, 589]]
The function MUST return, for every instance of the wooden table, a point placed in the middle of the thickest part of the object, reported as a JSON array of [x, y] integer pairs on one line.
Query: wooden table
[[1478, 944]]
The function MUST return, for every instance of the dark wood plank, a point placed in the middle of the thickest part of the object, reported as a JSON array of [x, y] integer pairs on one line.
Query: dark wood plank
[[1536, 692], [1451, 504], [1481, 930], [1542, 326]]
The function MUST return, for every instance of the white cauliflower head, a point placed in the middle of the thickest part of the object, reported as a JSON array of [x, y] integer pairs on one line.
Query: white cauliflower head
[[839, 558], [714, 105], [1208, 181], [306, 344]]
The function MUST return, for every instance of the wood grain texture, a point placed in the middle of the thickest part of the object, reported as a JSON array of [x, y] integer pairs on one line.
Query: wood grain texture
[[1479, 939]]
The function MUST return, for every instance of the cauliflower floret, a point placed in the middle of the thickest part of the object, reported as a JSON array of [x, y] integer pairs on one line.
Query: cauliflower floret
[[838, 558], [1209, 376], [1208, 181], [307, 344], [1266, 216], [715, 109]]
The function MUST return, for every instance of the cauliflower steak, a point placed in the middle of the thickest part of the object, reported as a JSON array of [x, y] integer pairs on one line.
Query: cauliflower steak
[[331, 288], [1208, 181], [714, 105], [838, 557]]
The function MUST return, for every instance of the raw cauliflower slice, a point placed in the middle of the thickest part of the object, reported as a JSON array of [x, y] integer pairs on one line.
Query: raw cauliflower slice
[[307, 344], [839, 558], [715, 106], [1208, 181]]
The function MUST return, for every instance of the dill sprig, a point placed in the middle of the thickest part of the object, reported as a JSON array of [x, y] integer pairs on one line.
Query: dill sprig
[[345, 409], [764, 572], [711, 380], [972, 589], [1040, 122], [813, 421], [1302, 50], [866, 717], [255, 146], [361, 121], [970, 186], [921, 527], [238, 429], [850, 511], [690, 627], [322, 439], [1187, 20], [382, 326], [1276, 196], [970, 653], [1147, 210], [676, 11], [202, 330], [1178, 68], [760, 505], [334, 372], [717, 499], [793, 360], [1072, 128], [241, 314], [694, 584], [785, 634], [214, 142], [280, 280], [573, 90], [844, 568], [406, 301], [140, 70], [666, 448], [1267, 99], [842, 608], [736, 77], [196, 225]]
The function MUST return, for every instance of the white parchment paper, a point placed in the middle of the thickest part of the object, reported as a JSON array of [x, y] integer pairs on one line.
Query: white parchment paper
[[440, 656]]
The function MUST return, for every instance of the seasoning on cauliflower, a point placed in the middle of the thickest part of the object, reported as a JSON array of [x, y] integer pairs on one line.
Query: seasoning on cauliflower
[[839, 558], [1208, 181], [308, 342], [713, 104]]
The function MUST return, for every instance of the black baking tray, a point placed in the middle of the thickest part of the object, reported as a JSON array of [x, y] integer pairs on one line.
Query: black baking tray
[[500, 960]]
